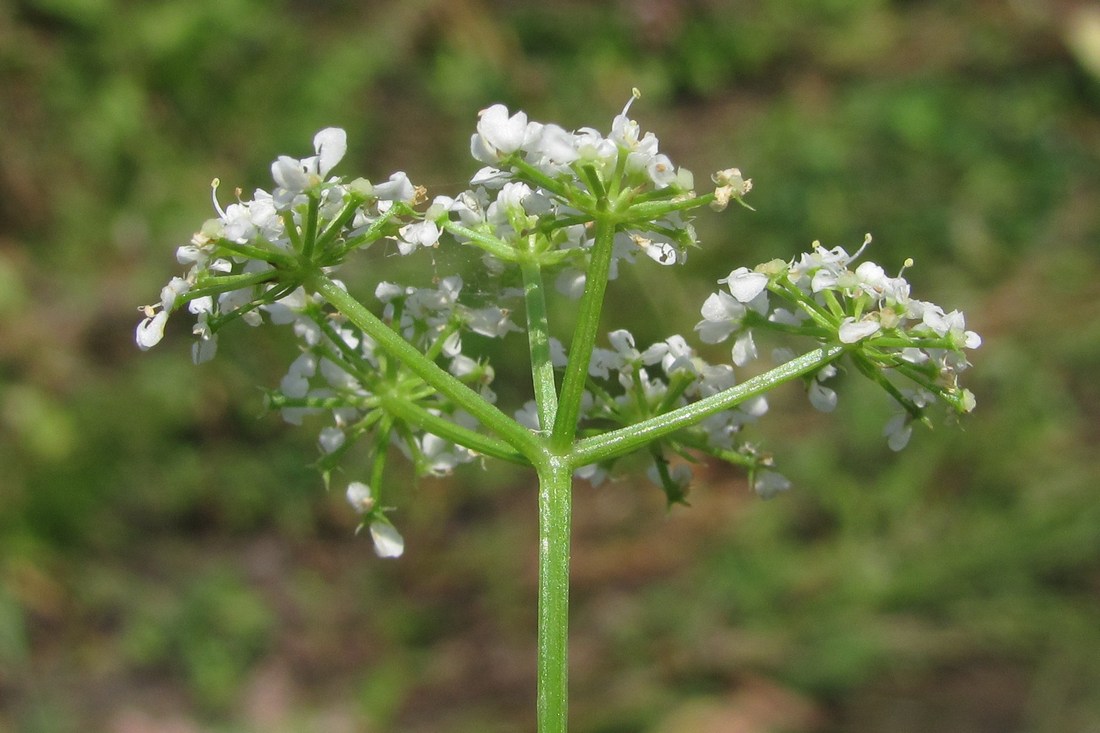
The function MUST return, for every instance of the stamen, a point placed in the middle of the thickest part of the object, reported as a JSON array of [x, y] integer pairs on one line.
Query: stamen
[[866, 241], [635, 93], [214, 197]]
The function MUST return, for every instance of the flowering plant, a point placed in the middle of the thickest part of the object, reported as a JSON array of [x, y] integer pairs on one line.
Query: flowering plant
[[549, 204]]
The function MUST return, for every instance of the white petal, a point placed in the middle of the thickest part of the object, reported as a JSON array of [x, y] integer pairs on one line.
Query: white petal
[[570, 283], [388, 542], [897, 431], [204, 350], [744, 349], [288, 174], [769, 483], [720, 307], [662, 253], [360, 497], [556, 144], [330, 143], [852, 330], [151, 330], [502, 133], [330, 439], [746, 285], [821, 397]]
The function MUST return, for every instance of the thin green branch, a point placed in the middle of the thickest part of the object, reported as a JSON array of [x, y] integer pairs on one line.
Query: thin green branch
[[538, 337], [463, 396], [485, 445], [625, 440], [584, 335]]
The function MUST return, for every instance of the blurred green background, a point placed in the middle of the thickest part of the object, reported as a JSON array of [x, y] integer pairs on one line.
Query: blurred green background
[[169, 563]]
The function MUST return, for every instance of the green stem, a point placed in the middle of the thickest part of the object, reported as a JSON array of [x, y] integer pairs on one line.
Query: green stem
[[458, 434], [373, 232], [310, 233], [584, 335], [496, 247], [538, 336], [625, 440], [489, 415], [555, 487]]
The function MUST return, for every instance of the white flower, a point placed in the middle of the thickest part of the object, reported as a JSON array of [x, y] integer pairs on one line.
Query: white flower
[[497, 134], [439, 457], [744, 349], [951, 324], [722, 316], [821, 397], [555, 144], [176, 287], [570, 283], [897, 431], [769, 483], [204, 349], [388, 542], [730, 185], [660, 170], [360, 497], [151, 330], [661, 252], [330, 439], [528, 416], [745, 285], [622, 354], [397, 188], [673, 353], [295, 176], [852, 330], [417, 234], [296, 381], [492, 321]]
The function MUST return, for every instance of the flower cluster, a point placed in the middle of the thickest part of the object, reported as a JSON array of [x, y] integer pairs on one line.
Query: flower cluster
[[406, 374], [541, 188], [822, 295], [251, 261], [554, 152], [237, 261]]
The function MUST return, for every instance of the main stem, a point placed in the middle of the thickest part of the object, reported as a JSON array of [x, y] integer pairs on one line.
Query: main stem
[[555, 508]]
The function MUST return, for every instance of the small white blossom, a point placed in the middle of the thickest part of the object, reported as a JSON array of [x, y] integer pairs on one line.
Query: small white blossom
[[768, 484], [417, 234], [746, 285], [897, 431], [744, 349], [330, 439], [852, 330], [360, 497], [397, 188], [497, 134], [151, 330], [730, 185], [388, 542], [294, 176], [722, 315], [821, 397]]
